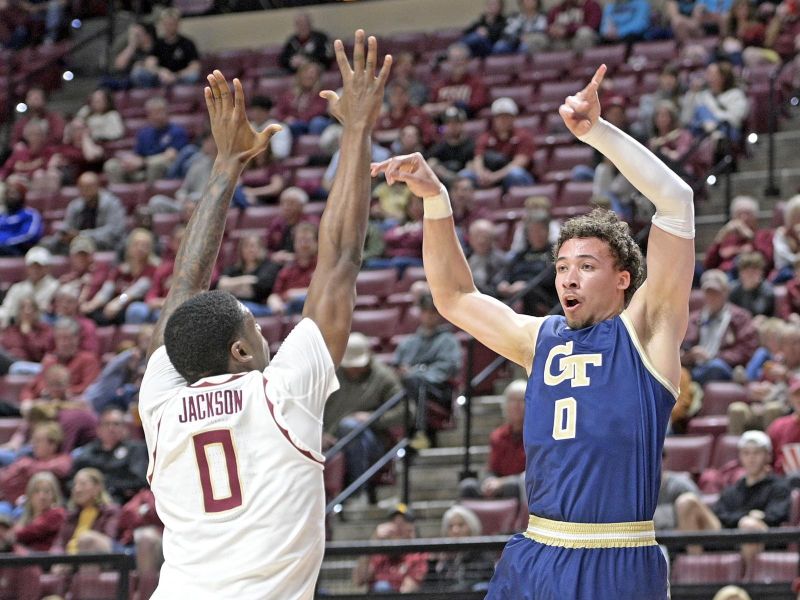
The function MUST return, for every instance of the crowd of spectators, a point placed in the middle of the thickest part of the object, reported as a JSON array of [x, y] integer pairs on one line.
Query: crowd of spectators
[[104, 263]]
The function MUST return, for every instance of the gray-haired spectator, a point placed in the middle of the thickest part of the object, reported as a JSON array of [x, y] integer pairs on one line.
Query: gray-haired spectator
[[751, 291], [38, 282], [741, 233], [485, 261]]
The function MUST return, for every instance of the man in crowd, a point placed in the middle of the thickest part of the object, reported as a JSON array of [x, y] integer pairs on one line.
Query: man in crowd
[[174, 59], [458, 87], [20, 226], [784, 434], [291, 286], [485, 261], [52, 122], [305, 45], [38, 282], [449, 156]]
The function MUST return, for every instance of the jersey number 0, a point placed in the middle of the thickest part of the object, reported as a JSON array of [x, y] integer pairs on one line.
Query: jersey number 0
[[219, 471], [564, 418]]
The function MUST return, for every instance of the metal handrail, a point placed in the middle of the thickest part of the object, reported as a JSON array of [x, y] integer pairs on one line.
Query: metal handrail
[[773, 189], [354, 433]]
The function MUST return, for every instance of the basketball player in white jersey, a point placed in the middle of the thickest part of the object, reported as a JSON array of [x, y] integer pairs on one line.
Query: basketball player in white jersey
[[235, 439]]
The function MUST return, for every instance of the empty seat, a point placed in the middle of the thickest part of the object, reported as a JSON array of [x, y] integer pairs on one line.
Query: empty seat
[[655, 52], [496, 516], [12, 385], [713, 425], [164, 223], [130, 194], [611, 55], [565, 158], [306, 145], [376, 323], [378, 283], [576, 193], [521, 94], [516, 196], [722, 567], [557, 91], [690, 453], [488, 198], [12, 269], [772, 567], [410, 275], [560, 60], [717, 395], [507, 64], [271, 328], [309, 178], [94, 586], [7, 428], [257, 217], [726, 449], [166, 187]]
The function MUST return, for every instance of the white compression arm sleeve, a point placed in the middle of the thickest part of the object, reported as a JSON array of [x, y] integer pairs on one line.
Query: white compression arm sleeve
[[672, 197]]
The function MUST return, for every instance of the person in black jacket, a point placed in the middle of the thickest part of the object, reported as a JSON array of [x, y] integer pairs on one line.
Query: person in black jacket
[[485, 32], [252, 277], [760, 499], [306, 45]]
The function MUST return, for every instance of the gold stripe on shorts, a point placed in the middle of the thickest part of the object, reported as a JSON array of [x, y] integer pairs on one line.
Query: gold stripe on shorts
[[591, 535]]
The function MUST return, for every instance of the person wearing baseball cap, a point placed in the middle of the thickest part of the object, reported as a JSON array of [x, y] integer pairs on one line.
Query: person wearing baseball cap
[[784, 433], [38, 282], [364, 385], [760, 499], [450, 155], [503, 154], [720, 336]]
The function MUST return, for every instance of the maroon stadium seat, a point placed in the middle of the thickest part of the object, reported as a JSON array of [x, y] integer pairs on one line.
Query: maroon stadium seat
[[725, 450], [695, 300], [714, 425], [376, 323], [333, 476], [410, 275], [560, 60], [131, 194], [7, 427], [167, 187], [378, 283], [718, 395], [164, 223], [783, 307], [105, 338], [565, 158], [309, 178], [12, 269], [612, 56], [11, 386], [773, 567], [556, 91], [488, 198], [516, 196], [575, 193], [507, 64], [306, 145], [257, 217], [496, 516], [521, 94], [94, 586], [271, 328], [722, 567], [59, 265], [659, 52], [690, 453]]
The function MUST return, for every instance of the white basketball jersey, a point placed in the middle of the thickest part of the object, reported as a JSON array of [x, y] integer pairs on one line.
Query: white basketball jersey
[[236, 470]]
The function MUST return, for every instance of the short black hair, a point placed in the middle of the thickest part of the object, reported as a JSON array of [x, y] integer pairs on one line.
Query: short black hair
[[200, 332], [263, 102], [604, 225]]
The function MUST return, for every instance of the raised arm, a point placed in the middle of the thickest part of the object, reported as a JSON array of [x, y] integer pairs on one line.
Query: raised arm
[[343, 228], [660, 308], [457, 299], [237, 143]]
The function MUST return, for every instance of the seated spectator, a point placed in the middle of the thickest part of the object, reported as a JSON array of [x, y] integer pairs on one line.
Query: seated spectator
[[782, 30], [502, 154], [66, 303], [402, 573], [506, 463], [741, 234], [92, 521], [722, 106], [122, 461], [28, 338], [534, 207], [770, 336], [95, 213], [680, 507], [52, 123], [38, 282], [305, 45], [760, 499], [486, 262], [669, 90], [625, 20], [684, 19], [465, 212], [365, 384], [403, 74], [428, 362], [458, 87], [379, 154], [157, 146], [525, 31], [574, 24], [29, 160], [786, 242], [392, 204], [102, 119], [84, 275], [403, 242], [451, 154], [127, 282], [671, 142], [784, 434], [43, 514], [290, 289], [409, 141], [466, 571], [174, 58], [140, 526], [46, 456], [535, 260], [301, 106], [261, 113], [731, 592], [745, 31], [20, 226], [483, 33], [720, 335], [252, 277], [280, 233], [130, 63], [119, 382], [751, 292], [78, 153], [399, 112]]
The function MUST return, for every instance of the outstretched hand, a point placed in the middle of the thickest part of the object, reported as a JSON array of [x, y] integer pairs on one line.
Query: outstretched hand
[[581, 111], [411, 169], [362, 91], [235, 137]]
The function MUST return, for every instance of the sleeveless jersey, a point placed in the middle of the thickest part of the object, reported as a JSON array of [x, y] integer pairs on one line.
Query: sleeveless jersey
[[236, 470], [596, 413]]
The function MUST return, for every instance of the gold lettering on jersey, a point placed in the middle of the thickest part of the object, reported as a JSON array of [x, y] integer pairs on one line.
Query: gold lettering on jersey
[[210, 404], [571, 367]]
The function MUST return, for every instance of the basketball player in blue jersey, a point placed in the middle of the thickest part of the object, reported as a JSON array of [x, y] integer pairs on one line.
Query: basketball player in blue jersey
[[602, 378]]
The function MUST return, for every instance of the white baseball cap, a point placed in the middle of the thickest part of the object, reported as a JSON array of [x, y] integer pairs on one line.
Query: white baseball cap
[[755, 438], [357, 353], [504, 106], [38, 255]]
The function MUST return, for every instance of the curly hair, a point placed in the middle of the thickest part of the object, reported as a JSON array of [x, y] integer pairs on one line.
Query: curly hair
[[200, 332], [604, 225]]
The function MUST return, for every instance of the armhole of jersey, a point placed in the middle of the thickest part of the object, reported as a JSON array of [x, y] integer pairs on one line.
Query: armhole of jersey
[[155, 450], [643, 356], [542, 321], [308, 453]]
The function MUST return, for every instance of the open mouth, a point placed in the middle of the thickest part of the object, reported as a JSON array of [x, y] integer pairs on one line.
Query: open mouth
[[571, 302]]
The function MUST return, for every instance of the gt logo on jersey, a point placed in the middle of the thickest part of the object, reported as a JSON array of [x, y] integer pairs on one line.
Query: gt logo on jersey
[[572, 368]]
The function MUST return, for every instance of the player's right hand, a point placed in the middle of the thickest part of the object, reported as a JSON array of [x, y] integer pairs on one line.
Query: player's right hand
[[362, 92], [411, 169], [235, 137]]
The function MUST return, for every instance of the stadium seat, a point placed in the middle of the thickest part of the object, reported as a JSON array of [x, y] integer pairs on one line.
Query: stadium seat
[[59, 265], [309, 178], [721, 567], [8, 426], [783, 307], [257, 217], [488, 198], [717, 395], [271, 328], [164, 223], [376, 323], [521, 94], [556, 91], [408, 323], [105, 338], [131, 194], [773, 567], [166, 187], [575, 193], [333, 476], [659, 52], [497, 516], [94, 586], [12, 269], [560, 60], [124, 334], [713, 425], [611, 55], [516, 196], [565, 158], [691, 453], [505, 64], [725, 450], [695, 300], [794, 508], [410, 275], [378, 283], [12, 385], [306, 145]]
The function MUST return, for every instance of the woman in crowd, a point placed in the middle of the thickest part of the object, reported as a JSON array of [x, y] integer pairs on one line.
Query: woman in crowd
[[252, 277], [301, 106], [102, 119], [43, 514]]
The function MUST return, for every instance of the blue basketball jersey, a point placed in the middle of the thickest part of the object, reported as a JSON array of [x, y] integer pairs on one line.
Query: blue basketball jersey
[[596, 414]]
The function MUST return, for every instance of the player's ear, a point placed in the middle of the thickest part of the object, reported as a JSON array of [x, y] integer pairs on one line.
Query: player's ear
[[240, 352], [623, 280]]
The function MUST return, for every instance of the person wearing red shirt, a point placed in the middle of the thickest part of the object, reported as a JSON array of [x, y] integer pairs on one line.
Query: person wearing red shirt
[[458, 87], [740, 234], [43, 514], [301, 106], [30, 158], [506, 464], [52, 122], [502, 154], [28, 338], [400, 112], [784, 432], [66, 303], [280, 232], [574, 24], [289, 292]]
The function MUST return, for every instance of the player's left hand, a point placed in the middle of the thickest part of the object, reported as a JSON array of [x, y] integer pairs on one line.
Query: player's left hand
[[581, 111], [235, 137]]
